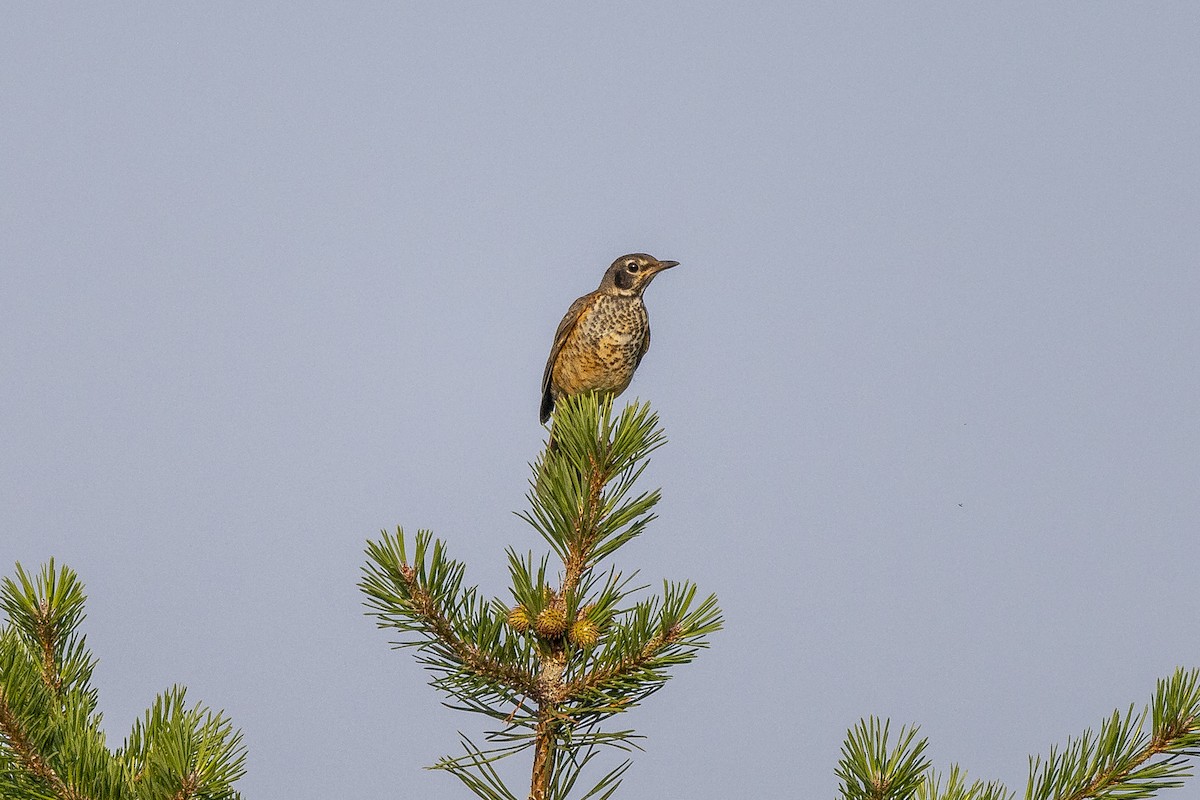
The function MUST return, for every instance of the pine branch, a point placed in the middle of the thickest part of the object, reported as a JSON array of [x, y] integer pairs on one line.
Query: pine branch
[[45, 612], [181, 752], [1124, 761], [51, 744], [476, 772], [569, 652], [32, 761], [634, 666], [1121, 762], [957, 788], [569, 504], [422, 600], [46, 707], [871, 771]]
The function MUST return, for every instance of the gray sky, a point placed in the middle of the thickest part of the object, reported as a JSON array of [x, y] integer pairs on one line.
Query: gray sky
[[274, 277]]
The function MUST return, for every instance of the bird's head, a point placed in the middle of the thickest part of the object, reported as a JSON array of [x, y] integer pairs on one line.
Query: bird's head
[[631, 274]]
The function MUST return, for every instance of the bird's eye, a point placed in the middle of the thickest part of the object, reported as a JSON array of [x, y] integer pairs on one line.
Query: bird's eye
[[632, 266]]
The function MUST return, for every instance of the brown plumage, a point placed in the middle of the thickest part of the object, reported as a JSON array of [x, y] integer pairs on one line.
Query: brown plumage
[[601, 340]]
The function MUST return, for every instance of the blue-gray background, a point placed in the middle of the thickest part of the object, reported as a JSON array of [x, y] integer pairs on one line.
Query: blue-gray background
[[276, 276]]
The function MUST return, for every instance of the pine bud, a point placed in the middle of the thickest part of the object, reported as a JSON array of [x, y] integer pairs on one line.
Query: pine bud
[[552, 622], [585, 633], [601, 620], [518, 619]]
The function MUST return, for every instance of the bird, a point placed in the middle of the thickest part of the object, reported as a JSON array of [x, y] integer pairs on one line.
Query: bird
[[602, 339]]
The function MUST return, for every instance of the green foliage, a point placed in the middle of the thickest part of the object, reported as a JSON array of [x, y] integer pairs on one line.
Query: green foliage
[[1124, 761], [51, 744], [957, 788], [870, 770], [578, 643]]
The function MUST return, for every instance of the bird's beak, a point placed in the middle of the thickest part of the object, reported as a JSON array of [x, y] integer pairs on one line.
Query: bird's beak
[[661, 265]]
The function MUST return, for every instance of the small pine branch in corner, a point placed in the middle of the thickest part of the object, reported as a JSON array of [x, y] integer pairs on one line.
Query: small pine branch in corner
[[1133, 756], [51, 744], [576, 642]]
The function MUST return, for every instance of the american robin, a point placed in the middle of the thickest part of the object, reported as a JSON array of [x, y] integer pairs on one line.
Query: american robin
[[604, 335]]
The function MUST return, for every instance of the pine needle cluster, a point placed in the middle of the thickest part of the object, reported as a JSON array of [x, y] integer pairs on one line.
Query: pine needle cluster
[[51, 743], [1125, 760], [575, 644]]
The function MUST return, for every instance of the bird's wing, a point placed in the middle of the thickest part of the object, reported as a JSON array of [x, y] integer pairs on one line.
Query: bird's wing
[[560, 338], [642, 350]]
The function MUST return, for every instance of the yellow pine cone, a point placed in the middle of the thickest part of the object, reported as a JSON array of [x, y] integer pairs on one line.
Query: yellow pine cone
[[552, 622], [585, 633], [518, 619]]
